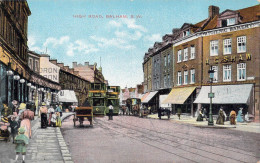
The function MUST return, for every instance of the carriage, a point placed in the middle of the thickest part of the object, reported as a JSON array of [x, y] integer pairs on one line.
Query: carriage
[[133, 105], [83, 112]]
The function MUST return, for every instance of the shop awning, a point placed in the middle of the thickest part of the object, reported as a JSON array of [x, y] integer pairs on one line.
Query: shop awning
[[144, 96], [225, 94], [161, 104], [149, 97], [179, 95], [67, 96]]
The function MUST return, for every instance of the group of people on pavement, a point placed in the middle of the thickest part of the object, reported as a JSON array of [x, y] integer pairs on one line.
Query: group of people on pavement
[[49, 116], [222, 116], [18, 117]]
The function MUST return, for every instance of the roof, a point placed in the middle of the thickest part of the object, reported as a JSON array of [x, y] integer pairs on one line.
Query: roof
[[247, 15]]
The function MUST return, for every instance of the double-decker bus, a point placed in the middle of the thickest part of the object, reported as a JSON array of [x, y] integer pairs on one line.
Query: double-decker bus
[[112, 96], [97, 98]]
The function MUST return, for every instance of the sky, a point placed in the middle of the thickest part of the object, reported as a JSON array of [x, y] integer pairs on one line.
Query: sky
[[90, 31]]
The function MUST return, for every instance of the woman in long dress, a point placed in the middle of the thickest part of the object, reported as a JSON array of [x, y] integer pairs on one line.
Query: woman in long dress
[[221, 117], [240, 116]]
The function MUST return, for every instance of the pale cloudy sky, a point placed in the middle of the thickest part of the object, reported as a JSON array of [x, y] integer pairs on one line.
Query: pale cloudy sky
[[120, 42]]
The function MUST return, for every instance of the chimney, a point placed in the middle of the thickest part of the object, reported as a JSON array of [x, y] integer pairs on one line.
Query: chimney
[[213, 11], [74, 64]]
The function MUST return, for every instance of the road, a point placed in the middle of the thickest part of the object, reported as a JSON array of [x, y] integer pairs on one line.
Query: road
[[133, 139]]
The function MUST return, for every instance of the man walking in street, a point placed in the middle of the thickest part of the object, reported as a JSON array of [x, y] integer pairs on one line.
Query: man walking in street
[[111, 108]]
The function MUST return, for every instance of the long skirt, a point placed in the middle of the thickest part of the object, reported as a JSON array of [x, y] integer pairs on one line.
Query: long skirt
[[26, 123], [44, 122], [232, 119]]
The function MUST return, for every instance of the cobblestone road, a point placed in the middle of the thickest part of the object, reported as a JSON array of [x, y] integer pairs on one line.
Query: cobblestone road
[[133, 139]]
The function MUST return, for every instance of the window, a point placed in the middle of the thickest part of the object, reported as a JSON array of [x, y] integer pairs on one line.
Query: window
[[192, 76], [215, 78], [169, 81], [231, 21], [179, 78], [179, 56], [186, 33], [227, 46], [169, 60], [227, 73], [165, 81], [30, 63], [241, 44], [241, 71], [192, 52], [214, 48], [165, 61], [36, 65], [185, 54], [185, 77]]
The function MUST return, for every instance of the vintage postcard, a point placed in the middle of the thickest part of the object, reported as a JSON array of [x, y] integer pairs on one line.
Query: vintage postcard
[[129, 81]]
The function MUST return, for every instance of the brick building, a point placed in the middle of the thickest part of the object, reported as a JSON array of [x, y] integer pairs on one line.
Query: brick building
[[227, 42]]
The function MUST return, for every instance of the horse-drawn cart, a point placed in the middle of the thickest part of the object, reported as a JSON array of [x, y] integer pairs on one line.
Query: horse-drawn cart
[[82, 113]]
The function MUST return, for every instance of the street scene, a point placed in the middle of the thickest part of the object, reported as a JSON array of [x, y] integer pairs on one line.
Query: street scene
[[129, 81]]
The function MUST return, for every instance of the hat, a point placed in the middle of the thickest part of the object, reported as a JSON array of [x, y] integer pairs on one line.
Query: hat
[[22, 106], [43, 103], [4, 119], [21, 130]]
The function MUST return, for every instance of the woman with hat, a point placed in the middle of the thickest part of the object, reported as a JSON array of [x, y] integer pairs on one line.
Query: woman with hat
[[43, 112], [21, 142]]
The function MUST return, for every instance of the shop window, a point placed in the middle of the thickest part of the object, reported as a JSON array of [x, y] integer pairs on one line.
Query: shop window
[[192, 52], [227, 46], [185, 51], [192, 76], [241, 71], [214, 48], [179, 55], [215, 78], [3, 84], [185, 77], [227, 73], [179, 77], [241, 44]]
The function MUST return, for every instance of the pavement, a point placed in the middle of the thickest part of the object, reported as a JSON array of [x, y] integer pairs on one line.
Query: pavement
[[245, 126], [47, 145]]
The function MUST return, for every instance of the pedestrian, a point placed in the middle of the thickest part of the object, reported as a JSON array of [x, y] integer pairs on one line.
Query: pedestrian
[[205, 113], [58, 120], [50, 113], [232, 117], [111, 108], [53, 119], [14, 127], [21, 142], [240, 115], [43, 112], [179, 113], [225, 115], [58, 109], [221, 117], [22, 108], [200, 117]]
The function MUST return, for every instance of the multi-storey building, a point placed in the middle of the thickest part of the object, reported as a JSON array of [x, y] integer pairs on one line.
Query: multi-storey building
[[227, 43], [89, 72]]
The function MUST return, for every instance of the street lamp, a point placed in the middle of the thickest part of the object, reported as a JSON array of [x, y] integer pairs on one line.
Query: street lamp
[[211, 95]]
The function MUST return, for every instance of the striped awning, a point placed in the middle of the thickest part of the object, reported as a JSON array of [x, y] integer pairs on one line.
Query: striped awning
[[225, 94], [179, 95], [144, 96], [149, 97]]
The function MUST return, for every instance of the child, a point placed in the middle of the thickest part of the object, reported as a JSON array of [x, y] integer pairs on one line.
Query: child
[[21, 142]]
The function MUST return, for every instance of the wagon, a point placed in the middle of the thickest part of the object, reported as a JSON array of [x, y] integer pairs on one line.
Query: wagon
[[82, 113]]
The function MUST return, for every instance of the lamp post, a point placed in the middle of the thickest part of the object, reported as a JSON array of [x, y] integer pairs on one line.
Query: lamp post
[[211, 95]]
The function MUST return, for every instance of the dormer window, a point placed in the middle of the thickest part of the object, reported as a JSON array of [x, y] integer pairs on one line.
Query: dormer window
[[186, 33], [231, 21]]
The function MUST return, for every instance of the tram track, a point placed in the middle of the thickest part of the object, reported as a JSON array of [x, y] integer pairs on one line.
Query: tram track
[[237, 149], [191, 149]]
